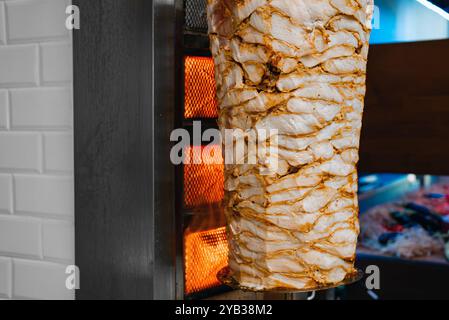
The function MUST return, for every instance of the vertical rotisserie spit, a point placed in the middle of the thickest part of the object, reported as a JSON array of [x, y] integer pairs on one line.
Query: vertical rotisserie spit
[[296, 66]]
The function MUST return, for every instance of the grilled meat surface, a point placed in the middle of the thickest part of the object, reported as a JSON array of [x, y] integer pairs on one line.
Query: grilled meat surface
[[296, 66]]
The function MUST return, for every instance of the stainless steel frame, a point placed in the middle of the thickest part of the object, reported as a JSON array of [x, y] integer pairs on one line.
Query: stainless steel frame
[[125, 88], [166, 265]]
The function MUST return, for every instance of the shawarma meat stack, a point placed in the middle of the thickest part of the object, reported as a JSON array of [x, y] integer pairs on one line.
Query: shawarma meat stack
[[298, 67]]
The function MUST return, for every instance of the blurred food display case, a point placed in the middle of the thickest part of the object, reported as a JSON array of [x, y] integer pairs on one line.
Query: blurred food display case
[[404, 231]]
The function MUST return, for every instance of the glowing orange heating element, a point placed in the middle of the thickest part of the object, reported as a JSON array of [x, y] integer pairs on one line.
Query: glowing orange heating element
[[203, 178], [199, 85], [206, 253]]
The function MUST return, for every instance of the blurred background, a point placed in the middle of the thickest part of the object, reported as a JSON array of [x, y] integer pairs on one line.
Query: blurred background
[[410, 20]]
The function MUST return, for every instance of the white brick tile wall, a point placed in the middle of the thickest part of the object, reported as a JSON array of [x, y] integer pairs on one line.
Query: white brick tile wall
[[43, 108], [52, 195], [56, 61], [5, 193], [4, 114], [5, 277], [19, 65], [64, 232], [22, 151], [36, 150], [20, 236], [58, 152], [31, 19], [39, 280]]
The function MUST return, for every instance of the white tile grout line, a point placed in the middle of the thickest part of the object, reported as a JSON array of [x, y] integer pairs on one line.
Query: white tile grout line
[[13, 194], [39, 65], [5, 24], [62, 262], [29, 85], [41, 239], [11, 278], [64, 217], [35, 174], [8, 110], [42, 153], [38, 40]]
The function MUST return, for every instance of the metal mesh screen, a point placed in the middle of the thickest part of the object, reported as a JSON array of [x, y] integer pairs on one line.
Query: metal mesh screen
[[195, 15], [206, 253], [200, 101], [203, 176]]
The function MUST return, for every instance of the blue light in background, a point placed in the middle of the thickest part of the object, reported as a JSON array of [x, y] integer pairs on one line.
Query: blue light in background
[[408, 20], [433, 5]]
